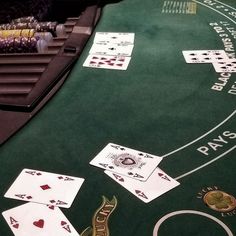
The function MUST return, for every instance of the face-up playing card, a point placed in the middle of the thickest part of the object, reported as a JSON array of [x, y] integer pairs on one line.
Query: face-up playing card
[[126, 161], [156, 185], [114, 37], [44, 187], [107, 62], [32, 219], [205, 56], [111, 49], [225, 66]]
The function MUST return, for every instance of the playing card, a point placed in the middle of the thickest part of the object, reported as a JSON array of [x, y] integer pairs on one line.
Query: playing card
[[107, 62], [44, 187], [111, 49], [225, 66], [32, 219], [126, 161], [205, 56], [114, 37], [157, 184]]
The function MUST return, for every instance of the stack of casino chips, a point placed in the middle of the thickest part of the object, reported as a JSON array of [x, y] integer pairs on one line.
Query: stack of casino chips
[[27, 35], [21, 41], [18, 45], [50, 26]]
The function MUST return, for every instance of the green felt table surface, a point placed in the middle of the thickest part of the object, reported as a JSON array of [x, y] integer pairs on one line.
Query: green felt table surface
[[160, 105]]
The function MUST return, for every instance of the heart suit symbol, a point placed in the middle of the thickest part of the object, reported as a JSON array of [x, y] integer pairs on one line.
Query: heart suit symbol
[[39, 223]]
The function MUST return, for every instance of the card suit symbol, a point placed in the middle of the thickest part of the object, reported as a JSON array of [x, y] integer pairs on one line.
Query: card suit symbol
[[39, 223], [94, 57], [45, 187], [121, 60], [103, 58], [128, 161], [112, 48], [16, 226], [52, 201], [111, 64], [113, 59], [141, 194], [60, 177], [108, 61], [119, 64], [29, 197], [51, 207], [100, 63], [39, 173], [114, 37], [92, 62], [63, 223]]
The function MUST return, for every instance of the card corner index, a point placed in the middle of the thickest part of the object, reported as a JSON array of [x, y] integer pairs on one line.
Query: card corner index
[[109, 144]]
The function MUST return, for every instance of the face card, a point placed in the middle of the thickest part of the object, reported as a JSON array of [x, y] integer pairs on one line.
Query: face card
[[32, 219], [107, 62], [44, 187], [157, 184], [114, 37], [126, 161], [205, 56], [225, 66], [111, 49]]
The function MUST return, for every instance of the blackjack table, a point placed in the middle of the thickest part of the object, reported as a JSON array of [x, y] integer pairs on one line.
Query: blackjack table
[[182, 112]]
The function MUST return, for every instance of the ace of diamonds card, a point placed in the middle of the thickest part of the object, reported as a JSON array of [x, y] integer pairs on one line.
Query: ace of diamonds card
[[44, 187]]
